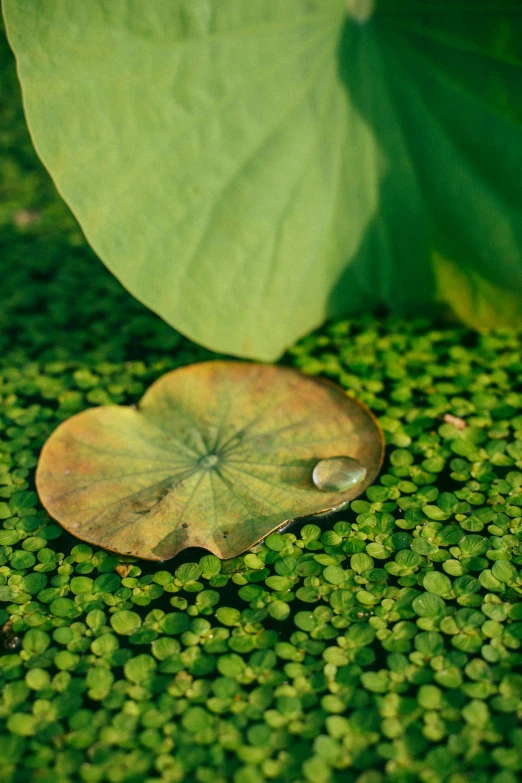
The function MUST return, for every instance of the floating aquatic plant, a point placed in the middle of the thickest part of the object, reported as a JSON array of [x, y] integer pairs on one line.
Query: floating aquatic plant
[[218, 455]]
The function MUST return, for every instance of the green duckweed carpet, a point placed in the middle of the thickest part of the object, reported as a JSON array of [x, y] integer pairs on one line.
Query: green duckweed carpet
[[381, 644]]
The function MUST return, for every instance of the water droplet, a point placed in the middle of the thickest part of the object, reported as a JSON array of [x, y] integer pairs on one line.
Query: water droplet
[[337, 474], [209, 461]]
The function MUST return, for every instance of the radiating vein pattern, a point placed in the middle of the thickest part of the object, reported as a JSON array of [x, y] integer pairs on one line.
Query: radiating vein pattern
[[216, 455]]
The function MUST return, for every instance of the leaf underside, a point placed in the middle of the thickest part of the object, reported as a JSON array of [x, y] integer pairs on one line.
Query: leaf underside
[[217, 455], [250, 169]]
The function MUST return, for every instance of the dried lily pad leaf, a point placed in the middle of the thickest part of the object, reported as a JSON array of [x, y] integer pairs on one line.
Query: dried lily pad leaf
[[218, 455]]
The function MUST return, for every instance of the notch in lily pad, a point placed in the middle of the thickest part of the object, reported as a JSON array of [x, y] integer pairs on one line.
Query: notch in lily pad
[[217, 455]]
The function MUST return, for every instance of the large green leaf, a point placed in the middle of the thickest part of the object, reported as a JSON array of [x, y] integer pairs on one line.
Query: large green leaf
[[247, 169], [218, 455]]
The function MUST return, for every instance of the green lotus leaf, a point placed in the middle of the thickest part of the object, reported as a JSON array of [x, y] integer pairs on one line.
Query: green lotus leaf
[[218, 455], [250, 169]]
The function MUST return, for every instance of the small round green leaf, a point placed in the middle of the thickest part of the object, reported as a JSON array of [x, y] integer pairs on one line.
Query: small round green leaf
[[428, 605], [437, 583]]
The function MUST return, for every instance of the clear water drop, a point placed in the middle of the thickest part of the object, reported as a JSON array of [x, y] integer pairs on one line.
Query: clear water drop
[[337, 474]]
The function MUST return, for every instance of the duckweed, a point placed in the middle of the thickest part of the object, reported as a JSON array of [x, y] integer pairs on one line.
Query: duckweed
[[382, 643]]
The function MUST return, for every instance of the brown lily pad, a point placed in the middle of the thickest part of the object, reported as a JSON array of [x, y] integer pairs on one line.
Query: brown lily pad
[[217, 455]]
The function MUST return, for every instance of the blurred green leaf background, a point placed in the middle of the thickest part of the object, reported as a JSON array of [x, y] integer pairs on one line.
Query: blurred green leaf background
[[248, 171]]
